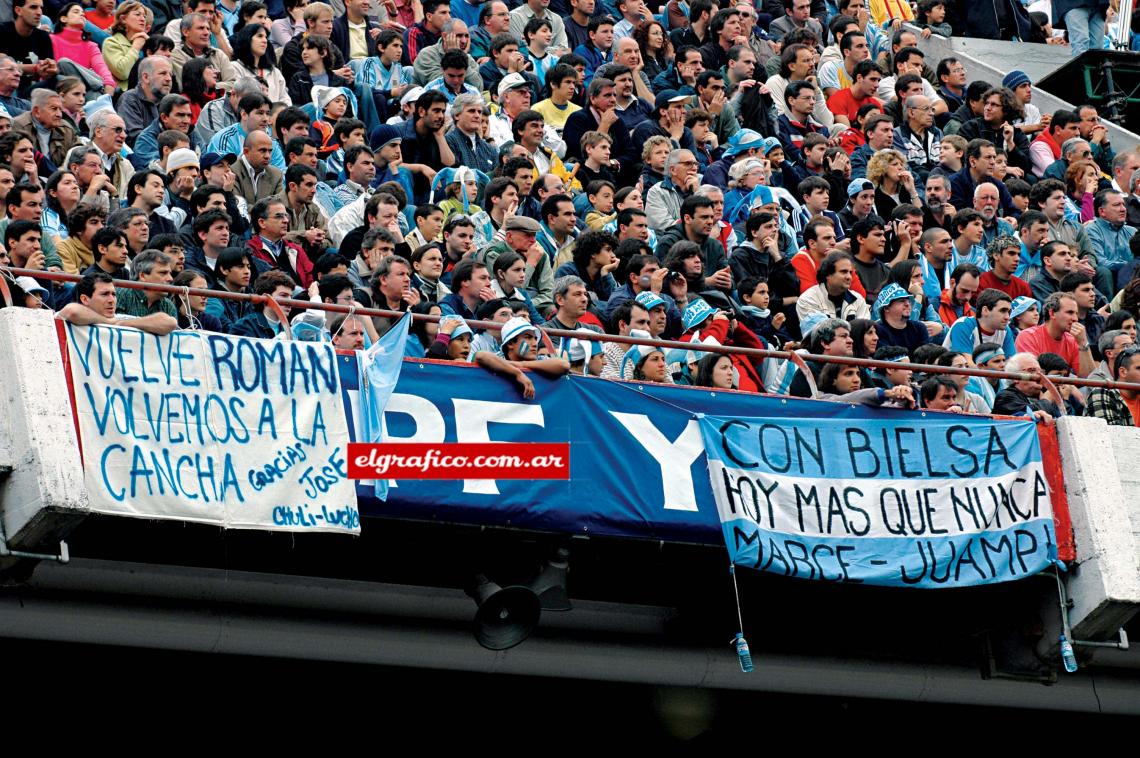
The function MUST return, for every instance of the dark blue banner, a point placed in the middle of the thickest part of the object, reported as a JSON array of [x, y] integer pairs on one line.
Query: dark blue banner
[[637, 457]]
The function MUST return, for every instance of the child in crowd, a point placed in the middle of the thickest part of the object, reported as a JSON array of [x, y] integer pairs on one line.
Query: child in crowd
[[756, 296], [932, 18], [601, 197], [597, 166], [699, 122], [653, 155], [332, 104]]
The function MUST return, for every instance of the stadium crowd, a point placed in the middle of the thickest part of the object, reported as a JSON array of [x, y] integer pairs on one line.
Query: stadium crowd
[[792, 175]]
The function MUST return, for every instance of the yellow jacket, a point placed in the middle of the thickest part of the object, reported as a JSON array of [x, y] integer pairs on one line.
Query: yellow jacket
[[120, 56], [883, 11]]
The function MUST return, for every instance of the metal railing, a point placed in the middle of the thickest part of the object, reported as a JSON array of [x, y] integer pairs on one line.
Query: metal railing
[[279, 303]]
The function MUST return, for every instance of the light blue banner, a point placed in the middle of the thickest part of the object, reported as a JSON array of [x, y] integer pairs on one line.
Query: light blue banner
[[895, 500]]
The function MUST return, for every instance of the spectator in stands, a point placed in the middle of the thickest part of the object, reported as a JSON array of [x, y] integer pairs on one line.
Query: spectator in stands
[[1119, 407], [151, 267], [1058, 260], [211, 230], [571, 300], [139, 105], [894, 325], [233, 271], [799, 97], [465, 138], [392, 290], [1004, 256], [1109, 345], [894, 184], [797, 15], [833, 295], [980, 158], [956, 299], [1080, 286], [703, 323], [846, 103], [96, 302], [1046, 146], [195, 43], [1109, 234], [270, 226], [174, 113], [664, 199], [45, 126], [110, 249], [1061, 333], [986, 199], [697, 221], [879, 129], [82, 224], [1023, 397], [423, 143], [940, 393], [264, 323], [991, 325]]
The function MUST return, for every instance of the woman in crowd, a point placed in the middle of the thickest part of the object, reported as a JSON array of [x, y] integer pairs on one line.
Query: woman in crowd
[[252, 13], [200, 85], [716, 371], [422, 334], [73, 92], [285, 29], [864, 338], [253, 56], [894, 184], [427, 264], [970, 396], [70, 41], [509, 272], [192, 308], [129, 33], [1082, 179], [656, 48], [60, 199]]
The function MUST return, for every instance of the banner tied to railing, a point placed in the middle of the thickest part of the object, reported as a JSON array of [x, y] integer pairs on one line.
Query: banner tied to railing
[[211, 428], [931, 501]]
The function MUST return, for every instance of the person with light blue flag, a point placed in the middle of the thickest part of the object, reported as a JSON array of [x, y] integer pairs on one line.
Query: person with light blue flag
[[379, 368]]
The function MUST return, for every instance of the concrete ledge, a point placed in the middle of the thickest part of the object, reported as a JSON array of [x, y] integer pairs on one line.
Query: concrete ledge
[[1105, 583], [43, 496]]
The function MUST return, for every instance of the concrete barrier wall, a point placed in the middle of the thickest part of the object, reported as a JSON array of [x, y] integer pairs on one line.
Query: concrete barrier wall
[[43, 497]]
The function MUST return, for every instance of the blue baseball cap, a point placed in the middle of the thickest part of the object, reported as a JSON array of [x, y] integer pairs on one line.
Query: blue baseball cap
[[650, 300], [696, 314]]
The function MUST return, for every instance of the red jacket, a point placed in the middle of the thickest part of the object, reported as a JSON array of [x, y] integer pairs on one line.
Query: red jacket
[[948, 312], [303, 274], [742, 336]]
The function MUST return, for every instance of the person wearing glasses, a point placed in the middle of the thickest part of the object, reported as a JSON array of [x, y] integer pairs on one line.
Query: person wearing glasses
[[108, 135], [9, 83], [270, 221]]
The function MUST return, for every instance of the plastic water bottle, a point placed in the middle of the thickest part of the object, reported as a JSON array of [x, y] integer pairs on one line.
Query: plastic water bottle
[[744, 654], [1067, 656]]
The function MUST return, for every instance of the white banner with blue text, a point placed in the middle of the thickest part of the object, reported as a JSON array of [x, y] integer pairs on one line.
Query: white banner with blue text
[[896, 499], [211, 428]]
